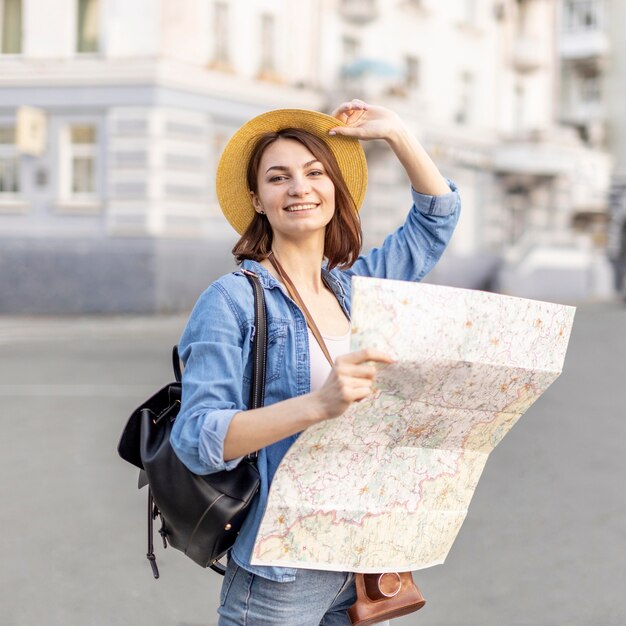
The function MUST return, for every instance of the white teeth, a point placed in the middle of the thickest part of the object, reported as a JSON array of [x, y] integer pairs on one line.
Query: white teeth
[[300, 207]]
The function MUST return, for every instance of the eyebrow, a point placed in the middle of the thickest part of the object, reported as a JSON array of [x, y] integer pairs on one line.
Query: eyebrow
[[284, 168]]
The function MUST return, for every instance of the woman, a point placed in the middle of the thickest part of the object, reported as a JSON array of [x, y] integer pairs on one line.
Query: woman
[[291, 182]]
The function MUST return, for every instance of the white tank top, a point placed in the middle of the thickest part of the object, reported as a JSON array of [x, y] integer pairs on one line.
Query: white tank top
[[320, 367]]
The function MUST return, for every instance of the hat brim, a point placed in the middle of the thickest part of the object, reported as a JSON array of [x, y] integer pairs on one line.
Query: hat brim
[[232, 186]]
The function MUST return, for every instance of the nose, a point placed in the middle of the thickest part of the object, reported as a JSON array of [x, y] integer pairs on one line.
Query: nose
[[300, 186]]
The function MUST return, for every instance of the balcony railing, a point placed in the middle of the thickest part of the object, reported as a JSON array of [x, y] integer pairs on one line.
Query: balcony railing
[[359, 11], [581, 112], [585, 44], [527, 55]]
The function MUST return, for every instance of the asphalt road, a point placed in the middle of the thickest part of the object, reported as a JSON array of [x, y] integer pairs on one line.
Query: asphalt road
[[544, 542]]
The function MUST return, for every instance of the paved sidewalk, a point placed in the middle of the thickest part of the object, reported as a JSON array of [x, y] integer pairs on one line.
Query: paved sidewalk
[[543, 544]]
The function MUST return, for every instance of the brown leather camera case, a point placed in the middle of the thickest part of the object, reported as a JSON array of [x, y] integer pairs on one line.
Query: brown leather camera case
[[374, 604]]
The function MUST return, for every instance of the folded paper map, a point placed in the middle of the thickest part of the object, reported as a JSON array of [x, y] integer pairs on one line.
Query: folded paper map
[[386, 486]]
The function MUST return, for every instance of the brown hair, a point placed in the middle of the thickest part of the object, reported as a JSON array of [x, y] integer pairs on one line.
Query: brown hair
[[343, 237]]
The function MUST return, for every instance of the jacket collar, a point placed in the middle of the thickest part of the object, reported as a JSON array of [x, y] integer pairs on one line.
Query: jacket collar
[[269, 282]]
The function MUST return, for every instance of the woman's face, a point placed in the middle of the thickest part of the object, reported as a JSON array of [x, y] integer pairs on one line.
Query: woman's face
[[294, 190]]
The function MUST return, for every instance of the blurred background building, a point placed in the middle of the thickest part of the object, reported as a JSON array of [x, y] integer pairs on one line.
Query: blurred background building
[[113, 115]]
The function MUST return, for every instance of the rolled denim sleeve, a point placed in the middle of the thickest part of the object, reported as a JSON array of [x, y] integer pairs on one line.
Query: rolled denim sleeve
[[412, 250], [211, 351]]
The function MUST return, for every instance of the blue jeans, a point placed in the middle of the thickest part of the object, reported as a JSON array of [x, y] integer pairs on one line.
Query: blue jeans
[[315, 598]]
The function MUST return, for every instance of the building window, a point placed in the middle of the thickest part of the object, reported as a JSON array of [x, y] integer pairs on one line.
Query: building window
[[10, 26], [519, 102], [9, 162], [83, 160], [582, 15], [88, 26], [350, 71], [79, 162], [351, 49], [221, 56], [412, 72], [466, 99], [590, 88], [268, 37]]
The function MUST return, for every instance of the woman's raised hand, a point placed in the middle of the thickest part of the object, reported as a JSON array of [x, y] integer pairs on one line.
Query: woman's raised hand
[[366, 121], [349, 381]]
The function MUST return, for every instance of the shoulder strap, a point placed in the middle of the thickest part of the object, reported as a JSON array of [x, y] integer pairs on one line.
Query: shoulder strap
[[176, 364], [259, 346]]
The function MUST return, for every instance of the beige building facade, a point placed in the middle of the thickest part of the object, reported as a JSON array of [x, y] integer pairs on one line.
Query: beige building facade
[[138, 99]]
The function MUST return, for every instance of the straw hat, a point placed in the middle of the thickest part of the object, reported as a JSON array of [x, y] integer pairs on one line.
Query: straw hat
[[232, 186]]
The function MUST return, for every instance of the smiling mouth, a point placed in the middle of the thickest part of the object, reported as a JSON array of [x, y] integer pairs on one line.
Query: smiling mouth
[[294, 208]]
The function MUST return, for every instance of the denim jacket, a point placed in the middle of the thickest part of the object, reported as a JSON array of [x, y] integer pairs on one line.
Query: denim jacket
[[216, 351]]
